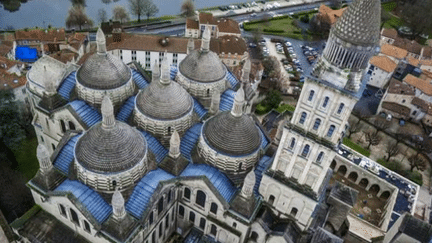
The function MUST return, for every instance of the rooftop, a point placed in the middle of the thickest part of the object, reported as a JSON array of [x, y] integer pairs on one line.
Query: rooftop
[[419, 83], [207, 18], [192, 24], [393, 51], [52, 35], [389, 33], [331, 14], [228, 26], [384, 63], [395, 107], [398, 87]]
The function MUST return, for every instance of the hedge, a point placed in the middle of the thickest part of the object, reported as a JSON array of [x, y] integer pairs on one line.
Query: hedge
[[356, 147]]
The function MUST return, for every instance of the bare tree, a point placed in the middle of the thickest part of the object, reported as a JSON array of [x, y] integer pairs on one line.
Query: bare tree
[[355, 128], [381, 124], [78, 2], [102, 15], [78, 17], [120, 14], [188, 8], [417, 162], [372, 138], [392, 149], [143, 7]]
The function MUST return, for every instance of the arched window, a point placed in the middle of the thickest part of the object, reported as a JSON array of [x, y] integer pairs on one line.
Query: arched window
[[292, 144], [63, 126], [303, 117], [71, 125], [202, 223], [74, 216], [320, 157], [151, 218], [213, 208], [200, 198], [154, 236], [187, 193], [53, 146], [311, 95], [86, 226], [169, 130], [169, 196], [114, 184], [330, 131], [160, 229], [317, 124], [240, 166], [294, 212], [42, 140], [192, 216], [254, 236], [62, 210], [325, 103], [208, 92], [271, 200], [234, 225], [160, 205], [340, 109], [181, 211], [305, 151], [213, 230]]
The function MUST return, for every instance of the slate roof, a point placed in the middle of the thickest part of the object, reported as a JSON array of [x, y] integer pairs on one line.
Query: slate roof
[[67, 85], [85, 112], [202, 66], [262, 165], [65, 157], [139, 79], [126, 110], [227, 100], [189, 140], [155, 146], [89, 198]]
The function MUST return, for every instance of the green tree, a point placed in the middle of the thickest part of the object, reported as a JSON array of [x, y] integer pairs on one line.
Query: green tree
[[272, 99], [416, 15], [417, 162], [120, 14], [188, 8], [78, 17], [143, 7], [12, 132], [78, 2]]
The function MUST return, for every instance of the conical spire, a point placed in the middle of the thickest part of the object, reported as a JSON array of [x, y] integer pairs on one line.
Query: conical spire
[[155, 72], [165, 71], [107, 110], [215, 102], [190, 45], [237, 109], [174, 151], [249, 184], [100, 41], [360, 23], [43, 157], [246, 70], [118, 202], [205, 46]]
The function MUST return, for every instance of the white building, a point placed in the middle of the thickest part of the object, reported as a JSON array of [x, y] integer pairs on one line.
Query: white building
[[380, 69], [218, 28]]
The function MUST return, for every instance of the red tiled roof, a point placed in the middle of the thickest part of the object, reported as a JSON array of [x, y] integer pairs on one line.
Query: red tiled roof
[[207, 18], [8, 81], [421, 84], [64, 56], [384, 63], [192, 24], [394, 51], [41, 35], [330, 14], [5, 49], [228, 26], [397, 108], [398, 87], [389, 33]]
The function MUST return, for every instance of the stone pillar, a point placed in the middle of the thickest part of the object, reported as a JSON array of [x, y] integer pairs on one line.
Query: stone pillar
[[43, 157]]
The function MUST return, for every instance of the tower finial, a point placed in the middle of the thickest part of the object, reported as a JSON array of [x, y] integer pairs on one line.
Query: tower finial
[[165, 71], [215, 102], [100, 41], [190, 45], [249, 184], [155, 72], [118, 202], [107, 111], [174, 150], [237, 109], [246, 70], [205, 46], [43, 157]]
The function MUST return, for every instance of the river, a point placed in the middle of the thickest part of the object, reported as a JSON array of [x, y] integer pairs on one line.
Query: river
[[44, 12]]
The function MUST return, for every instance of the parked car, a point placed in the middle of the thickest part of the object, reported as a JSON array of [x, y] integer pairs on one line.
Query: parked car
[[288, 44], [253, 45]]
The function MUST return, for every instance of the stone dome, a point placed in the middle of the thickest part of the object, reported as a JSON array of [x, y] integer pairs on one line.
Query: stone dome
[[202, 66], [232, 135], [103, 71]]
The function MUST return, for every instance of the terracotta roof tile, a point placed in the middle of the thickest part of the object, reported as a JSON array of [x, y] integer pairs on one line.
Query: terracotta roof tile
[[228, 26], [38, 34], [427, 52], [398, 87], [393, 51], [331, 14], [395, 107], [384, 63], [64, 56], [9, 63], [418, 83], [232, 44], [5, 49], [426, 62], [207, 18], [192, 24], [389, 33], [8, 80], [410, 46], [413, 61]]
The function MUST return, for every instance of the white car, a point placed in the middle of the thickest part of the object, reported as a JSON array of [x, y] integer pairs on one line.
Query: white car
[[288, 44]]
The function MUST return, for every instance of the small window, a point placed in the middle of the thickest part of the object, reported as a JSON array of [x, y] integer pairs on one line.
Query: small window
[[74, 216], [53, 146], [187, 193], [414, 112], [303, 117], [305, 151], [160, 205], [192, 217], [63, 126], [62, 210], [213, 230], [311, 95], [240, 166], [234, 225], [71, 125], [154, 237], [200, 198], [325, 103], [42, 140], [271, 200], [292, 144], [320, 157], [169, 196], [87, 226], [340, 109], [181, 211], [403, 101], [160, 229], [294, 212], [202, 223], [214, 208], [151, 218], [317, 124], [167, 221], [330, 131]]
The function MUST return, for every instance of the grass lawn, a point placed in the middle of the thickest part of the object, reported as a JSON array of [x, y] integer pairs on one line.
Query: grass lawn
[[393, 22], [356, 147], [28, 164], [282, 26], [389, 6], [285, 107]]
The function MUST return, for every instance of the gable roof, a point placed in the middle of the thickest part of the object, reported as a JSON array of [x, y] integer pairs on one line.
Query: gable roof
[[207, 18], [411, 46], [389, 33], [40, 35], [398, 87], [393, 51], [228, 26], [418, 83], [395, 107], [192, 24], [384, 63]]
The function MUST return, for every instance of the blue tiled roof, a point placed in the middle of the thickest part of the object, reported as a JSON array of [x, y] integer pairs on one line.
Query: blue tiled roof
[[144, 190], [88, 114], [66, 155], [262, 165], [155, 146], [264, 141], [194, 236], [139, 79], [126, 110], [232, 80], [189, 140], [217, 178], [227, 100], [67, 86], [92, 201], [394, 217], [199, 109], [173, 72]]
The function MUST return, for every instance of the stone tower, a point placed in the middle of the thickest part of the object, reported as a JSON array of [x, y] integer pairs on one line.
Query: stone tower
[[296, 180]]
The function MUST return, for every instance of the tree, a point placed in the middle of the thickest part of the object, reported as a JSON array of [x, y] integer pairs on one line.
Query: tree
[[336, 4], [355, 128], [272, 99], [381, 124], [12, 132], [392, 149], [372, 138], [417, 162], [416, 15], [188, 8], [78, 17], [120, 14], [143, 7], [78, 2], [106, 1], [102, 15], [385, 16]]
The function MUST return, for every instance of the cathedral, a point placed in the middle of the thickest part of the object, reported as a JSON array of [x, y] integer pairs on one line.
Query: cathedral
[[125, 157]]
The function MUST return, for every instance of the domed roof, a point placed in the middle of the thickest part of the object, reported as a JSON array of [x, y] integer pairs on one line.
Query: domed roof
[[232, 135], [164, 99], [110, 146], [202, 66]]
